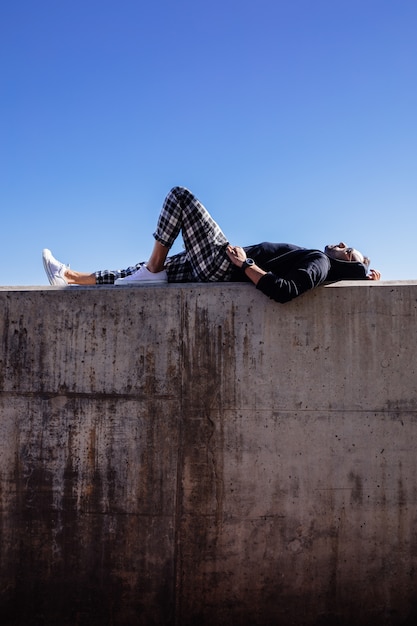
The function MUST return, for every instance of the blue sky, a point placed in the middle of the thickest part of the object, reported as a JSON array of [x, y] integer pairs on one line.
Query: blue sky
[[292, 121]]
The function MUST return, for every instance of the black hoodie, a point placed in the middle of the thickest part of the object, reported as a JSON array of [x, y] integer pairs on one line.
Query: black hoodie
[[292, 270]]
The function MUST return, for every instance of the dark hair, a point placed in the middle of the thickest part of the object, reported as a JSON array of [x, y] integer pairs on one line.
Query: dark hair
[[355, 257]]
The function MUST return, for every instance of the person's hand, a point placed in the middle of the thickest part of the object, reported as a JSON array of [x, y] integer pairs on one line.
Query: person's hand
[[374, 275], [236, 254]]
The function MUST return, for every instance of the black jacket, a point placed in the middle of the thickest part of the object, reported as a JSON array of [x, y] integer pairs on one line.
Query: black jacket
[[292, 270]]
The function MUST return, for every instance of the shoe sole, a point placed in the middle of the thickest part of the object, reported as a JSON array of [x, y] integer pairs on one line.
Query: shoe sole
[[47, 269], [50, 275]]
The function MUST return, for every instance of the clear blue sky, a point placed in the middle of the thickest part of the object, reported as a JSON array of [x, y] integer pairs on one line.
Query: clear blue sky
[[293, 121]]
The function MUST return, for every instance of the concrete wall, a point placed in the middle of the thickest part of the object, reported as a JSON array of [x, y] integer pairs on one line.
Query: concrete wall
[[198, 454]]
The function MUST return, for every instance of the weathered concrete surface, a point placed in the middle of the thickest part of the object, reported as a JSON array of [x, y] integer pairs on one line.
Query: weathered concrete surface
[[198, 454]]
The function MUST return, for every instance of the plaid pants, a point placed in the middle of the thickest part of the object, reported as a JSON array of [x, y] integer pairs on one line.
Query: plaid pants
[[204, 258]]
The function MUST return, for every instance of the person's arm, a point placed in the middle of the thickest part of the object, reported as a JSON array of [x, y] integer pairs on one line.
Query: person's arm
[[237, 255]]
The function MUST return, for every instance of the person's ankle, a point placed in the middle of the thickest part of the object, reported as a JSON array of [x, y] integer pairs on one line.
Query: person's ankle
[[154, 269]]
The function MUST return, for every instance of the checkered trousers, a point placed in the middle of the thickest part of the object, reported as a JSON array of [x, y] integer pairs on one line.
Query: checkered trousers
[[204, 259]]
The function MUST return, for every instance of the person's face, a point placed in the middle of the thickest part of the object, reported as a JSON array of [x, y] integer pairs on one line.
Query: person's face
[[344, 253]]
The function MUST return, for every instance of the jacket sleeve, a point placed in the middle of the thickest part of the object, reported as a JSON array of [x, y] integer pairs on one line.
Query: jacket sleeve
[[309, 273]]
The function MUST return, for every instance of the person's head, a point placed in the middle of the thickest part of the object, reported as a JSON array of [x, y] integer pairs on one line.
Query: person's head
[[342, 252]]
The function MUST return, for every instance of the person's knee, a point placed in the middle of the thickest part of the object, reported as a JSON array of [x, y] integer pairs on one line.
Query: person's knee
[[178, 190]]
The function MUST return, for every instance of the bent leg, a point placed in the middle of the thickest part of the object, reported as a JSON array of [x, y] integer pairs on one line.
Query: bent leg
[[205, 243]]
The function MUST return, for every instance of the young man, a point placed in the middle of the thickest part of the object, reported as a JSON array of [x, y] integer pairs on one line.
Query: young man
[[280, 271]]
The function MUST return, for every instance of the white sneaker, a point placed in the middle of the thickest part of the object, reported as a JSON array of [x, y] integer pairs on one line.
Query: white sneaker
[[53, 268], [143, 275]]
